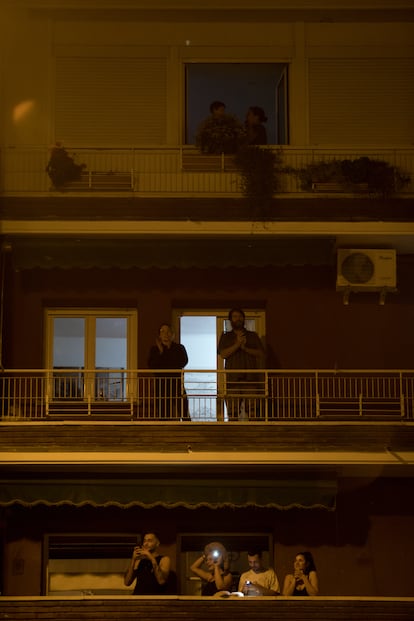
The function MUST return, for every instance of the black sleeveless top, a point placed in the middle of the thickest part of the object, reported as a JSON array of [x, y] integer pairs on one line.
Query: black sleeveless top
[[209, 588], [300, 592], [146, 583]]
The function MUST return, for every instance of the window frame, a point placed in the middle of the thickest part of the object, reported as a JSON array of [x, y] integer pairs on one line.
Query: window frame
[[90, 315]]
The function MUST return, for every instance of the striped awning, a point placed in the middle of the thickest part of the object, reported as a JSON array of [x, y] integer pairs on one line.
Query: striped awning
[[169, 493]]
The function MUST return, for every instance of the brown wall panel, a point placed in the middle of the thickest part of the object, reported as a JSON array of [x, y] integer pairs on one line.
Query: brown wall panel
[[307, 324]]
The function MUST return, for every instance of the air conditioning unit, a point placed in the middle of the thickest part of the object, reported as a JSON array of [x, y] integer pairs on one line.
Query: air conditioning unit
[[366, 270]]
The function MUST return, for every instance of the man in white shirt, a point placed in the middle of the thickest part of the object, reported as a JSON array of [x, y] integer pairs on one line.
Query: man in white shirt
[[258, 580]]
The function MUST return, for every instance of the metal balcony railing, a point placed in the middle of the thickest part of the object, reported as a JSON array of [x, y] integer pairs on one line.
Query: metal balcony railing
[[171, 170], [206, 395]]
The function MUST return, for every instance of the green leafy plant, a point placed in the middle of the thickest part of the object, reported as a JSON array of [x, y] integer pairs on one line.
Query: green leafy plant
[[223, 134], [259, 168], [381, 178], [62, 168]]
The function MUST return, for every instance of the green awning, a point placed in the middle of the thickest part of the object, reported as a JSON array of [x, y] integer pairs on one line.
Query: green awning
[[188, 493]]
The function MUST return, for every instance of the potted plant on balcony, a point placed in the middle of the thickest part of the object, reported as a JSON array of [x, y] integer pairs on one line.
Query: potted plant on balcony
[[374, 176], [62, 168], [220, 134], [259, 168]]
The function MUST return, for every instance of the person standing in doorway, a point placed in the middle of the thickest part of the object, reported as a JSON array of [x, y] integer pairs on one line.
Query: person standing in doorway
[[241, 349]]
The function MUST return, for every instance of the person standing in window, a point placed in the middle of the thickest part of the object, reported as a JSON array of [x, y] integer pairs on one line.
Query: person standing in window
[[217, 576], [220, 132], [166, 354], [149, 569], [256, 131], [217, 109], [258, 580], [304, 580], [241, 349]]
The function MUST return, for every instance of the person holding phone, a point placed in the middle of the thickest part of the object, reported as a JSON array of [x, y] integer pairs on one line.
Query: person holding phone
[[216, 576], [149, 569], [258, 580]]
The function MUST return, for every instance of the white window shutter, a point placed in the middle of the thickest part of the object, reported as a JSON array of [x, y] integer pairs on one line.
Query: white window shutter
[[110, 101], [361, 101]]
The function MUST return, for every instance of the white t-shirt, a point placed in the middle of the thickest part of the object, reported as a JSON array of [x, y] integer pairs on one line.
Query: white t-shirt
[[267, 579]]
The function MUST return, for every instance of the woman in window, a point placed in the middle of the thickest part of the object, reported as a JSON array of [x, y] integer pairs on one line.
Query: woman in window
[[166, 354], [304, 580], [216, 577], [256, 131]]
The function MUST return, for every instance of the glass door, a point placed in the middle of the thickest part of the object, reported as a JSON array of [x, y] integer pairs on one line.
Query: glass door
[[90, 353]]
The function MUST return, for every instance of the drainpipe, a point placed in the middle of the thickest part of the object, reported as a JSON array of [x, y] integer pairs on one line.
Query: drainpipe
[[5, 250]]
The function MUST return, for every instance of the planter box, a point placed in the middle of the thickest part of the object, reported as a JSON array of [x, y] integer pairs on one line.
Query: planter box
[[102, 181], [356, 188], [201, 162]]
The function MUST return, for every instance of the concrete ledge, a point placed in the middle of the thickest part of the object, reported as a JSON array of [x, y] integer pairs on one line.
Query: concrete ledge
[[114, 608]]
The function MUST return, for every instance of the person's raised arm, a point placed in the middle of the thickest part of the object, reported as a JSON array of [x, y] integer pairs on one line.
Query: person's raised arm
[[225, 352], [254, 347], [162, 571], [223, 580], [289, 585], [311, 583], [155, 357], [196, 568], [130, 572], [184, 356]]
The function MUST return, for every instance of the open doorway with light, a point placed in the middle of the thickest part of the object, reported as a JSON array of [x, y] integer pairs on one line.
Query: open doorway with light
[[199, 331]]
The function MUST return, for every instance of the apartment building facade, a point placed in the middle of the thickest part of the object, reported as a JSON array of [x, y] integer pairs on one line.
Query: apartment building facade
[[152, 232]]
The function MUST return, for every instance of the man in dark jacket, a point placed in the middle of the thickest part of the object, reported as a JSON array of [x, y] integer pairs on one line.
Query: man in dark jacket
[[241, 349]]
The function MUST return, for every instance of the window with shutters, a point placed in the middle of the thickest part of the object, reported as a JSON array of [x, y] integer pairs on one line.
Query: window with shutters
[[110, 101]]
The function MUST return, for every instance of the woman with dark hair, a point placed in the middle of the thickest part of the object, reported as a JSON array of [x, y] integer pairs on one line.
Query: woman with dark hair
[[216, 577], [304, 580], [256, 132]]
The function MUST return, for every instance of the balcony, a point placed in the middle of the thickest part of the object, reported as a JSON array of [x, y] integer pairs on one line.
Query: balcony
[[203, 396], [175, 171], [89, 607], [311, 427]]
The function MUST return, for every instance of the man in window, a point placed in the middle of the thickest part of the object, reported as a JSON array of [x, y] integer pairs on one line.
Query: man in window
[[258, 580], [149, 569]]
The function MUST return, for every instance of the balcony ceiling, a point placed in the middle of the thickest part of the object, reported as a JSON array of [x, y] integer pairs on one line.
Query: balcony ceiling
[[170, 232], [169, 253]]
